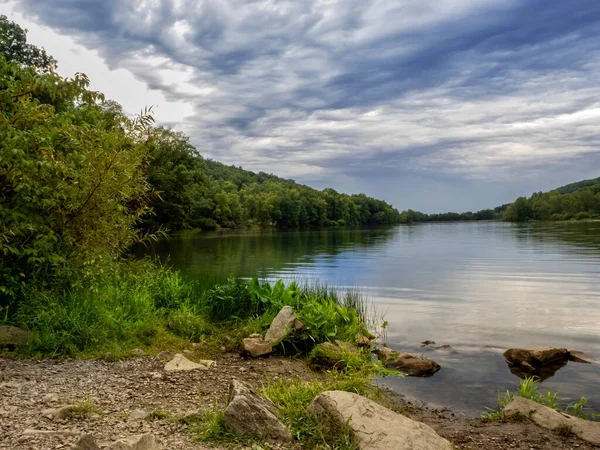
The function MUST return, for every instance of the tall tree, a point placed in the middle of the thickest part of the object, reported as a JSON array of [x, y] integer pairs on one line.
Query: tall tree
[[14, 47]]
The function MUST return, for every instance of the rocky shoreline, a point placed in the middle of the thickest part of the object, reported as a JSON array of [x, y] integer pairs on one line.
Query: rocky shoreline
[[116, 390]]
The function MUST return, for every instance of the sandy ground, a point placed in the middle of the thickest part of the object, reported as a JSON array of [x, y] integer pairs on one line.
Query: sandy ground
[[117, 388]]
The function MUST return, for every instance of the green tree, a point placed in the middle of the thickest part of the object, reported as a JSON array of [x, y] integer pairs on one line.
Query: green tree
[[14, 47]]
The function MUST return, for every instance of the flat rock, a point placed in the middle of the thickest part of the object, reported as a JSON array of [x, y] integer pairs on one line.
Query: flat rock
[[65, 433], [553, 420], [537, 356], [251, 414], [412, 365], [63, 412], [180, 363], [255, 347], [374, 426], [139, 442], [13, 336], [581, 357], [282, 325], [165, 355]]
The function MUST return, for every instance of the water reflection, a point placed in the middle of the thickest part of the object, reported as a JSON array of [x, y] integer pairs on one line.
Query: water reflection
[[480, 287]]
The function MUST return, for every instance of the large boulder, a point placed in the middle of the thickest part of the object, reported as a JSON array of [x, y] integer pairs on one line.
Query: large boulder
[[282, 325], [13, 336], [374, 426], [138, 442], [412, 365], [254, 415], [549, 418], [180, 363], [255, 346]]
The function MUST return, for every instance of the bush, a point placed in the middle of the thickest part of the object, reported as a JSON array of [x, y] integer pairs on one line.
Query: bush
[[229, 301], [185, 323]]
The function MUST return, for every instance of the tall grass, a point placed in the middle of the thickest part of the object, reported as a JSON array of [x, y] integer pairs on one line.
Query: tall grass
[[142, 304]]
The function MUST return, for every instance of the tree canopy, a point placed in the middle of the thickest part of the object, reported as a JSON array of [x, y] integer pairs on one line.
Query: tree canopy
[[14, 47]]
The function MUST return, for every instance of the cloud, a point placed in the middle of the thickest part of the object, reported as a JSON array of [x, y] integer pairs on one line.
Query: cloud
[[322, 88]]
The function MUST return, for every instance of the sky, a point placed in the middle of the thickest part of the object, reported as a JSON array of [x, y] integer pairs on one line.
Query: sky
[[434, 105]]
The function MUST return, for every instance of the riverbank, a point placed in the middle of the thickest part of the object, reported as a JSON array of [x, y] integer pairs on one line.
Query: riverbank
[[113, 393]]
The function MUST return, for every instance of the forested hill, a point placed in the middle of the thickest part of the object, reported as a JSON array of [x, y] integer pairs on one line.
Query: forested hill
[[200, 193], [573, 187]]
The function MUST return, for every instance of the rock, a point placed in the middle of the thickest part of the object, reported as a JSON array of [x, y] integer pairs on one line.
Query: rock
[[13, 336], [298, 325], [165, 356], [536, 356], [63, 412], [580, 357], [374, 426], [281, 326], [139, 414], [333, 356], [256, 347], [426, 343], [187, 352], [51, 397], [180, 363], [549, 418], [86, 442], [446, 348], [64, 433], [412, 365], [137, 352], [139, 442], [541, 362], [363, 341], [252, 414], [256, 336]]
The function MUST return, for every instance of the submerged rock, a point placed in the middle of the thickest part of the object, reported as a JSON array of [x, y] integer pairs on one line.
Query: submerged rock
[[282, 325], [553, 420], [254, 415], [580, 357], [374, 426], [426, 343], [412, 365], [255, 347], [446, 348]]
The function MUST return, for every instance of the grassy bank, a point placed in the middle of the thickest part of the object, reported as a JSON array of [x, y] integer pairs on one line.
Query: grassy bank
[[143, 305]]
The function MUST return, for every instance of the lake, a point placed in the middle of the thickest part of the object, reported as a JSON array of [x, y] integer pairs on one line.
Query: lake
[[479, 287]]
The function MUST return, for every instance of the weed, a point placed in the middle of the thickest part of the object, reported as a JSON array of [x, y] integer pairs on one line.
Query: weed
[[564, 430], [82, 408]]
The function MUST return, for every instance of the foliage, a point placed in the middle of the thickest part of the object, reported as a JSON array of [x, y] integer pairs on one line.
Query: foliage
[[570, 202], [200, 193], [14, 47], [410, 216], [72, 182]]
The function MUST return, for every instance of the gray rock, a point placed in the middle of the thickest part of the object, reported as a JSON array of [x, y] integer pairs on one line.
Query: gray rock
[[51, 397], [63, 412], [553, 420], [139, 442], [180, 363], [86, 442], [256, 347], [282, 325], [252, 414], [374, 426], [13, 336]]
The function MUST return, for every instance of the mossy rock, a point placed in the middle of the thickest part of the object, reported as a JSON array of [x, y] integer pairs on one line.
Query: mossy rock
[[335, 356]]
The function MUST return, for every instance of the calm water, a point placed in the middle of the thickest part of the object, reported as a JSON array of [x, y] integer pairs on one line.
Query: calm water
[[480, 287]]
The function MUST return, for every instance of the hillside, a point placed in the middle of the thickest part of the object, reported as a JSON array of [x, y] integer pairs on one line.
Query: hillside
[[573, 187]]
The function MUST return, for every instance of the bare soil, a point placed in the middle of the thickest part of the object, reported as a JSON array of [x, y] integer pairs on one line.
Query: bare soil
[[117, 388]]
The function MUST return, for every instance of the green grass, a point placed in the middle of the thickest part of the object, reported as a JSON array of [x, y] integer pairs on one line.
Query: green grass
[[148, 306], [529, 389]]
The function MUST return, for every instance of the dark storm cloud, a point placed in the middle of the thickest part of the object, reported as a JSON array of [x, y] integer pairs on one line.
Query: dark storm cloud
[[314, 87]]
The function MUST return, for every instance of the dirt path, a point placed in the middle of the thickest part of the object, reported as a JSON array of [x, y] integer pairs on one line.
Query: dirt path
[[117, 388]]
